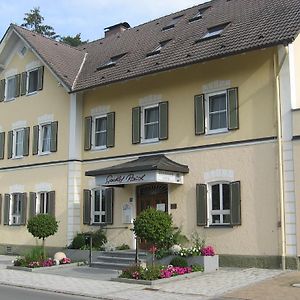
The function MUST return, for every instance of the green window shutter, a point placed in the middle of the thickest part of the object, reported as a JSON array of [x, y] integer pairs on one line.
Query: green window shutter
[[17, 92], [109, 205], [53, 141], [88, 133], [233, 108], [23, 84], [201, 204], [26, 141], [0, 209], [87, 195], [10, 144], [136, 125], [23, 208], [32, 204], [235, 203], [6, 209], [110, 127], [163, 120], [2, 145], [2, 90], [51, 202], [35, 142], [40, 78], [199, 107]]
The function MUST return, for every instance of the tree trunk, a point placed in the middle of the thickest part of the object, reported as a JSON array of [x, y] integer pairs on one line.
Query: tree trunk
[[44, 251]]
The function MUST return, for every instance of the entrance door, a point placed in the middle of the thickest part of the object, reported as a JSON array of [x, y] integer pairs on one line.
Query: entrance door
[[151, 195]]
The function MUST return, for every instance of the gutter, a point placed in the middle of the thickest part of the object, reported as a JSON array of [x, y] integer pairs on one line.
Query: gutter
[[277, 70]]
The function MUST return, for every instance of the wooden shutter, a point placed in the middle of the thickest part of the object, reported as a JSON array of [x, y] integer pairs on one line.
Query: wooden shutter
[[23, 208], [26, 141], [10, 144], [32, 204], [201, 204], [136, 125], [0, 209], [235, 203], [2, 144], [232, 108], [110, 130], [23, 85], [35, 142], [87, 207], [109, 205], [17, 91], [2, 90], [53, 141], [88, 133], [163, 120], [40, 78], [51, 202], [199, 107], [6, 209]]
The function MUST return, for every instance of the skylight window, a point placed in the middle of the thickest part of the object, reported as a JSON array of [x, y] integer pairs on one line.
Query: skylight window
[[111, 62], [172, 23], [157, 49], [213, 32], [199, 14]]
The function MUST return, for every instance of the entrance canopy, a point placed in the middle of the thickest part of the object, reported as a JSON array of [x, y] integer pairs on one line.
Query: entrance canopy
[[155, 168]]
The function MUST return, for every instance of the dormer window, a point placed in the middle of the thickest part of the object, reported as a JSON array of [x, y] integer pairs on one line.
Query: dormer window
[[111, 62], [172, 23], [213, 32], [199, 14], [157, 49]]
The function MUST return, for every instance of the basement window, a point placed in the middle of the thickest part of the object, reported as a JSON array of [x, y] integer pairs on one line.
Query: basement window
[[199, 14], [111, 62], [172, 23], [213, 32], [157, 49]]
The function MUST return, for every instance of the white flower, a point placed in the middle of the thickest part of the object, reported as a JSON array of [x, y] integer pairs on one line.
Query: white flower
[[175, 249]]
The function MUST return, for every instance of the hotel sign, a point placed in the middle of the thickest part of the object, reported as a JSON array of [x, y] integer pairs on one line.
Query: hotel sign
[[139, 178]]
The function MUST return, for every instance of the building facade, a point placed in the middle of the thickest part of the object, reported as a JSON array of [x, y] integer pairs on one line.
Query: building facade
[[200, 123]]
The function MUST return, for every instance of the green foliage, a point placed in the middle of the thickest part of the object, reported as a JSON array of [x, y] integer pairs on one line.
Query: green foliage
[[35, 254], [99, 238], [198, 242], [179, 262], [78, 241], [42, 226], [33, 20], [137, 272], [73, 41], [179, 238], [155, 227], [197, 268], [161, 253], [20, 262], [123, 247]]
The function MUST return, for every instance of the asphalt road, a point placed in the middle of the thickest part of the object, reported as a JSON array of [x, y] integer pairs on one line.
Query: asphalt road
[[13, 293]]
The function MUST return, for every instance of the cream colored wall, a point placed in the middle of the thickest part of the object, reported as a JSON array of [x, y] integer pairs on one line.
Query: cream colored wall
[[57, 178], [297, 69], [252, 73], [296, 122], [52, 100]]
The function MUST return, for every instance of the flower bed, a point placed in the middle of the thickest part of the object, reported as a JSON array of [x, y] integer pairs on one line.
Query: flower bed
[[44, 263]]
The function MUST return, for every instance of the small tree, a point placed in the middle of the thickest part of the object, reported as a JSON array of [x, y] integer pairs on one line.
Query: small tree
[[42, 226]]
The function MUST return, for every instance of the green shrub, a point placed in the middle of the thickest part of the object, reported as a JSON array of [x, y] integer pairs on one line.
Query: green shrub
[[155, 227], [197, 268], [99, 238], [78, 241], [161, 253], [123, 247], [35, 254], [179, 262]]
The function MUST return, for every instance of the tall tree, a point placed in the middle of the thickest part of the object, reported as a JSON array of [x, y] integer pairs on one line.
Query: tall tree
[[73, 41], [33, 20]]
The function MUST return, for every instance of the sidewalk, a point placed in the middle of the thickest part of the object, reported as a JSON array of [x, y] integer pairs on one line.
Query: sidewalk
[[207, 286]]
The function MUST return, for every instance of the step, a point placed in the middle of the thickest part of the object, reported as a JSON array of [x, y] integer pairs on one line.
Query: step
[[114, 259], [110, 266], [126, 254]]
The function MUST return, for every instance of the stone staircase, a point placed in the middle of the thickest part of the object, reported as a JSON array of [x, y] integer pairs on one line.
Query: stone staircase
[[117, 260]]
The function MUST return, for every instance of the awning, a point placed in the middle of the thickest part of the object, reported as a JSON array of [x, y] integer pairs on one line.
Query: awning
[[155, 168]]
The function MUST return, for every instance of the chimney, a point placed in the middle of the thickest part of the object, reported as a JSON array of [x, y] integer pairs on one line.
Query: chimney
[[118, 28]]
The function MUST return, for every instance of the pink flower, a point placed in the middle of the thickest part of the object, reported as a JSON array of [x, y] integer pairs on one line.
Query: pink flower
[[152, 249], [65, 260], [207, 251]]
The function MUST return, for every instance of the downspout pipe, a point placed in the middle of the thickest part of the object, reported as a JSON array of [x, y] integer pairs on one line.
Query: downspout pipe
[[277, 70]]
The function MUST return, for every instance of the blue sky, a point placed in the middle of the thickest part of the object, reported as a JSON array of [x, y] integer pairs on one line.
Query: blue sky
[[89, 17]]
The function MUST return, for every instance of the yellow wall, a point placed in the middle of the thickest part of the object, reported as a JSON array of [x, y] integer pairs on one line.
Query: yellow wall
[[297, 69]]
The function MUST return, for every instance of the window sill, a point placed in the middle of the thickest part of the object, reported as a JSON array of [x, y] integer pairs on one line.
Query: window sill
[[44, 153], [99, 148], [17, 157], [15, 225], [9, 100], [218, 226], [149, 141], [32, 93], [215, 132]]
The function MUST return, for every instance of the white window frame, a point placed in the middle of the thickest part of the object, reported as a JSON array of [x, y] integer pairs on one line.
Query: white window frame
[[14, 145], [143, 138], [101, 147], [40, 142], [6, 88], [38, 202], [220, 211], [101, 212], [14, 219], [207, 113], [27, 82]]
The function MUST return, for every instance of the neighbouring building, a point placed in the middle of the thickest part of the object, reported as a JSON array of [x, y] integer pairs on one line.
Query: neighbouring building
[[196, 113]]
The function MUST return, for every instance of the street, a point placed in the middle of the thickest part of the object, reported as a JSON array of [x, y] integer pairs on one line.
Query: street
[[12, 293]]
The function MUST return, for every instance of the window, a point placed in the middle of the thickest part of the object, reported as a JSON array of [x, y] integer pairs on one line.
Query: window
[[217, 112], [214, 31], [111, 62], [199, 14], [23, 51], [10, 88], [43, 203], [100, 132], [18, 143], [98, 206], [157, 49], [32, 82], [172, 23], [16, 208], [150, 123], [45, 138], [219, 194]]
